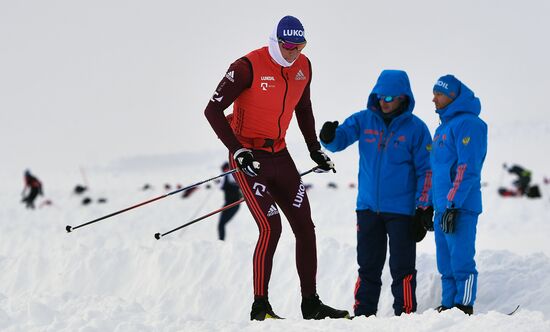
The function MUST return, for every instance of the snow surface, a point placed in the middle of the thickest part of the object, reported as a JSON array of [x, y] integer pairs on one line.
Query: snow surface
[[111, 93], [114, 276]]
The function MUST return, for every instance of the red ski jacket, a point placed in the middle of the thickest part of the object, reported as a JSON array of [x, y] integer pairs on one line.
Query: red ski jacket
[[265, 97]]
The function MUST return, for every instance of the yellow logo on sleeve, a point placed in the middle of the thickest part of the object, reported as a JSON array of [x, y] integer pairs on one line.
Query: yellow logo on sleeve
[[466, 140]]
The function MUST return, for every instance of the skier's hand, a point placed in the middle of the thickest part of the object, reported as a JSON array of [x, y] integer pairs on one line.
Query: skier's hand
[[324, 164], [447, 222], [416, 229], [427, 217], [246, 162], [328, 131]]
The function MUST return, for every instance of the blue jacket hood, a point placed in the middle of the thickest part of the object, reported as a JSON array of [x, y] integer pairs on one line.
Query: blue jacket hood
[[466, 102], [391, 83]]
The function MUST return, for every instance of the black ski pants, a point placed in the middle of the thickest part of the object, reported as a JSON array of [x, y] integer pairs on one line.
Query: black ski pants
[[373, 231], [279, 186]]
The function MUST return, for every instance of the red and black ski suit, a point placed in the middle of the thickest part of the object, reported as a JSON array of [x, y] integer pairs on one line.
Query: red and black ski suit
[[35, 188], [265, 95]]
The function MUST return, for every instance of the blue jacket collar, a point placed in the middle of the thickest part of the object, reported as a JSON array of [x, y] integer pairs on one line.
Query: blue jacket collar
[[466, 102]]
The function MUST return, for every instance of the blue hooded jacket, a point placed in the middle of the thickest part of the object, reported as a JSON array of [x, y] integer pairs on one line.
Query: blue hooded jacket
[[394, 161], [459, 149]]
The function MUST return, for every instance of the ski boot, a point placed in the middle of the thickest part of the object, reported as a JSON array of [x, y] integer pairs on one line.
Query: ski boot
[[261, 310], [441, 308], [467, 309], [313, 308]]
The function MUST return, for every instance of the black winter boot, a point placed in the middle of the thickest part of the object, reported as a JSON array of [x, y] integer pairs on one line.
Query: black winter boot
[[441, 308], [467, 309], [313, 308], [261, 310]]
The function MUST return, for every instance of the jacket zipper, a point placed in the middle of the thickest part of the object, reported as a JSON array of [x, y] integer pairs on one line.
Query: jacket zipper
[[283, 107], [381, 146]]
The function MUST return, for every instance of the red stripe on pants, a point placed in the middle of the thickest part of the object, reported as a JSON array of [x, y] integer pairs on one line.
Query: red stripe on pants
[[357, 285], [407, 294], [265, 232], [278, 188]]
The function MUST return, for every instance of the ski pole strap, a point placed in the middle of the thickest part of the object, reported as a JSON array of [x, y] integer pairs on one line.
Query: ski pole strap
[[309, 171]]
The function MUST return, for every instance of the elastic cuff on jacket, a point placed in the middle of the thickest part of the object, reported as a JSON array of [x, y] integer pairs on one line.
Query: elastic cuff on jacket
[[313, 146], [239, 151]]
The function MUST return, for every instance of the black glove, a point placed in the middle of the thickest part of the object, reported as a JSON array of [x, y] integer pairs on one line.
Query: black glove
[[324, 164], [427, 216], [246, 162], [421, 223], [328, 131], [447, 222]]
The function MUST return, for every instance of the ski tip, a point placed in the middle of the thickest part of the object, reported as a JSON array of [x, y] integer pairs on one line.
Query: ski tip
[[69, 228], [513, 311], [157, 236]]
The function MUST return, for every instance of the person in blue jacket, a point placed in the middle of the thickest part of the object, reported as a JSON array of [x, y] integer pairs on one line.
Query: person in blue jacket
[[393, 191], [459, 149]]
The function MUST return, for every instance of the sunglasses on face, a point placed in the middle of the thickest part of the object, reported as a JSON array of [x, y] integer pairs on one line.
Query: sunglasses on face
[[387, 99], [290, 46]]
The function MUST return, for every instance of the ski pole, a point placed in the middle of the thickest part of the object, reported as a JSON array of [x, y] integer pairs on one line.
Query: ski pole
[[159, 235], [70, 228]]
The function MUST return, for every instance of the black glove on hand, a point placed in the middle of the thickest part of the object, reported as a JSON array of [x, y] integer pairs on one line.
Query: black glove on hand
[[246, 162], [447, 222], [427, 217], [328, 131], [421, 223], [324, 164]]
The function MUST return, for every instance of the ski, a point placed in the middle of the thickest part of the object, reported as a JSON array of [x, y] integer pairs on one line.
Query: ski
[[513, 311], [509, 314]]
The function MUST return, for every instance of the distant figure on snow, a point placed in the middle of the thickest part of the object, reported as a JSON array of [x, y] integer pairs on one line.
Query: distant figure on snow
[[522, 183], [523, 180], [79, 189], [33, 188], [232, 193], [188, 192]]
